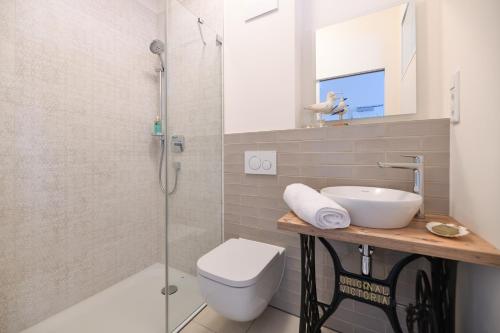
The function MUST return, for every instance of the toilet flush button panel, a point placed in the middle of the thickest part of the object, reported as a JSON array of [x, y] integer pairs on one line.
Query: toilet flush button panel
[[261, 162]]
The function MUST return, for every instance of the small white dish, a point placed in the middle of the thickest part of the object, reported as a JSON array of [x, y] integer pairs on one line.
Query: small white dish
[[462, 231]]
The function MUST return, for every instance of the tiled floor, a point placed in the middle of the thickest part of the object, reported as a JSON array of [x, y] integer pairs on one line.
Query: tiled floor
[[271, 321]]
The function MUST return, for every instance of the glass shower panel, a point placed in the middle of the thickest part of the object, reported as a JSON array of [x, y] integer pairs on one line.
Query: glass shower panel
[[194, 114]]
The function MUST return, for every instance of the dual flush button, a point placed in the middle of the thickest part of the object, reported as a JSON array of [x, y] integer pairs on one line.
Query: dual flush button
[[260, 162], [256, 163]]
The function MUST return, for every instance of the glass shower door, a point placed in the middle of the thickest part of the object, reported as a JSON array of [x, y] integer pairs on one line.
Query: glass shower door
[[194, 123]]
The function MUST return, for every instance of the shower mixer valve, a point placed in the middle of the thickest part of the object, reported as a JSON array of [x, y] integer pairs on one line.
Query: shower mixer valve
[[177, 143]]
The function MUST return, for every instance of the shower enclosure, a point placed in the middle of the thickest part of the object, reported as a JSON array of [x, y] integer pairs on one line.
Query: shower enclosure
[[88, 238], [194, 126]]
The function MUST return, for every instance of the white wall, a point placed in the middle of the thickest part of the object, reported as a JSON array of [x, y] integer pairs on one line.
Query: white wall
[[474, 49], [259, 69]]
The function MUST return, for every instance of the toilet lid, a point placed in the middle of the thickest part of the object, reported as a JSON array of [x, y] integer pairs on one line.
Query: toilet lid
[[237, 262]]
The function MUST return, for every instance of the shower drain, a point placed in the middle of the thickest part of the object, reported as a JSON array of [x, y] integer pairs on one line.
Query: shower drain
[[171, 290]]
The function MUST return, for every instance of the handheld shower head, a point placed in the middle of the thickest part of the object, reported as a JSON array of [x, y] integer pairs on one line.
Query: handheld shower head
[[158, 47]]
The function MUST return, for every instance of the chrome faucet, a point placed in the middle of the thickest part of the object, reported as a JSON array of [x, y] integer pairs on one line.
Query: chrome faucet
[[418, 170]]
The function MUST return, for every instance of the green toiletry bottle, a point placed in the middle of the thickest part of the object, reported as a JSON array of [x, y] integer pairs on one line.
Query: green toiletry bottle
[[157, 126]]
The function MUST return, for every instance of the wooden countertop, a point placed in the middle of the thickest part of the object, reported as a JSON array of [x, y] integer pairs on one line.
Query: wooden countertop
[[413, 239]]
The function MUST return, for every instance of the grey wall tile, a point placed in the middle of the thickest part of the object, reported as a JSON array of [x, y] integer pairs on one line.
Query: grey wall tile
[[301, 134], [290, 159], [419, 128], [241, 189], [232, 138], [356, 131], [234, 168], [315, 182], [364, 146], [258, 137], [232, 178], [240, 147], [338, 157], [403, 143], [289, 170], [326, 146], [430, 158], [328, 171], [234, 158], [436, 143], [281, 147], [259, 180]]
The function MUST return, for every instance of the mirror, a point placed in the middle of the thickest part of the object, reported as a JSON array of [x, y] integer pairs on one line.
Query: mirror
[[369, 64]]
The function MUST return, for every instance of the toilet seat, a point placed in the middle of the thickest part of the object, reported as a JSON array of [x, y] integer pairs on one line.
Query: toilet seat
[[237, 262]]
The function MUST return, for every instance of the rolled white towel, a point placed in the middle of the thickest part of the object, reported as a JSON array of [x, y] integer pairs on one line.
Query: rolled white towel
[[314, 208]]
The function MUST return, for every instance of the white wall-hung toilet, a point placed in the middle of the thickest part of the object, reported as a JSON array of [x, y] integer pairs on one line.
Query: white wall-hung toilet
[[239, 277]]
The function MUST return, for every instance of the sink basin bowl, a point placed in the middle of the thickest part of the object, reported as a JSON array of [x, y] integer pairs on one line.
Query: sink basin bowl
[[374, 207]]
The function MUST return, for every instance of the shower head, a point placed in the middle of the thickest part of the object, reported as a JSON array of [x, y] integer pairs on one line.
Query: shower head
[[158, 47]]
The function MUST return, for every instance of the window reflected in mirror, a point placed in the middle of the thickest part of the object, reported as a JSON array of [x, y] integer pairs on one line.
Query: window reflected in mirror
[[363, 93]]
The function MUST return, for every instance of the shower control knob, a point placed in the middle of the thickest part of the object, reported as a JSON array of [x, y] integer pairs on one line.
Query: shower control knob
[[178, 143]]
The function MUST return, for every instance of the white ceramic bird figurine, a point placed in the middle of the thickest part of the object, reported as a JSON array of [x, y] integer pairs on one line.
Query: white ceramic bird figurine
[[324, 107], [340, 108]]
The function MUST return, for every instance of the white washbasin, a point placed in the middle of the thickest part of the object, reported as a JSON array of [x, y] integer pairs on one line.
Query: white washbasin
[[374, 207]]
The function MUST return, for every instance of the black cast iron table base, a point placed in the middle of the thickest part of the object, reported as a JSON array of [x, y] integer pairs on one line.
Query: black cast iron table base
[[376, 292]]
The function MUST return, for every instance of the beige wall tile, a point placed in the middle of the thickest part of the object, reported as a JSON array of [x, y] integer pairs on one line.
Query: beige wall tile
[[232, 138], [239, 148], [418, 128], [259, 137], [364, 146], [436, 143], [234, 158], [430, 158], [259, 180], [80, 204], [315, 182], [326, 146], [437, 205], [328, 171], [232, 178], [301, 134], [290, 159], [281, 147], [403, 143], [240, 189], [346, 156], [289, 170], [356, 131]]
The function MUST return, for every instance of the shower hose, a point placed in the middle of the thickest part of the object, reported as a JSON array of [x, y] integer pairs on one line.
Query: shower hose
[[177, 167]]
